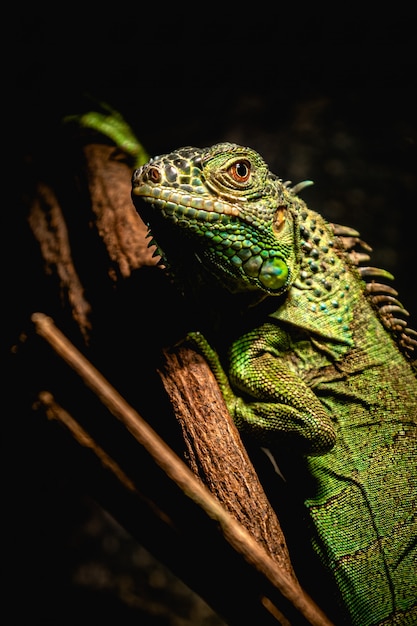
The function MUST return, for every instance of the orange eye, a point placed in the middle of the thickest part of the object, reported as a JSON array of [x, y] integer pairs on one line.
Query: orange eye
[[240, 171]]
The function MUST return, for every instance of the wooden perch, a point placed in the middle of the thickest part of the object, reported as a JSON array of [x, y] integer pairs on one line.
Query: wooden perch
[[117, 223], [235, 533], [110, 219], [49, 227], [215, 451]]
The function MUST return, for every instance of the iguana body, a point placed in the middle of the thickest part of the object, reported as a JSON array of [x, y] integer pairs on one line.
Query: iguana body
[[317, 362]]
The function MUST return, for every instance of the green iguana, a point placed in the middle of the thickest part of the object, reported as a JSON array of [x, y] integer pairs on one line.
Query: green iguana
[[313, 357]]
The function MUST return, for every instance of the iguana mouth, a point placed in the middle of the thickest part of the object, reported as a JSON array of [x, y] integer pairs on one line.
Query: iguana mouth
[[180, 202]]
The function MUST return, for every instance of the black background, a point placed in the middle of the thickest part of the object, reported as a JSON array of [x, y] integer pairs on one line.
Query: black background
[[324, 95]]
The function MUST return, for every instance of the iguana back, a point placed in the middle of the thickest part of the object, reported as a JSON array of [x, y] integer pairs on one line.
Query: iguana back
[[318, 360]]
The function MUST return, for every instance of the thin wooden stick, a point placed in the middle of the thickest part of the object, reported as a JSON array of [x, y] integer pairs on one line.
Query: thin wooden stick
[[56, 412], [177, 471]]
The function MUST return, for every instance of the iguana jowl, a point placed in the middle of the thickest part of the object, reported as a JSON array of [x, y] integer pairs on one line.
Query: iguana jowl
[[319, 363]]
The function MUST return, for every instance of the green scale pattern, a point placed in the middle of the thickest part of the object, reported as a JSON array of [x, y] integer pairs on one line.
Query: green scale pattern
[[317, 377]]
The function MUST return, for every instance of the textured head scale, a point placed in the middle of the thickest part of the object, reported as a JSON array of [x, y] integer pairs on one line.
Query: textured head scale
[[237, 217]]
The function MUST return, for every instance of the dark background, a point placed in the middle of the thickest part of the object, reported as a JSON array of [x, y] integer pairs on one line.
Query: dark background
[[328, 96]]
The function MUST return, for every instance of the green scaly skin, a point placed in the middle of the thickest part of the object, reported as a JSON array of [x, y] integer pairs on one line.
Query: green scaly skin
[[310, 358], [312, 365]]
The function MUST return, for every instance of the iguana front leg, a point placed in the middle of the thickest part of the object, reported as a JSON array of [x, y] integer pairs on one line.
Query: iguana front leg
[[267, 399]]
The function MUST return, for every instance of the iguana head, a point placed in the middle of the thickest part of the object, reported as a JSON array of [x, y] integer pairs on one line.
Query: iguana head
[[224, 205]]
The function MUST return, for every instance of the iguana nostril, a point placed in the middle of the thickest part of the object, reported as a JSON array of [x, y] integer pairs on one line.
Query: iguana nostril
[[153, 174]]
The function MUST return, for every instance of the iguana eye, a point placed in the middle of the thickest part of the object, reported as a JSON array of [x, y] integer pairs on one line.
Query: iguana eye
[[240, 171]]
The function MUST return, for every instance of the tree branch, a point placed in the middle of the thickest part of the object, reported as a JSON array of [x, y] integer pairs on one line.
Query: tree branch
[[176, 470]]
